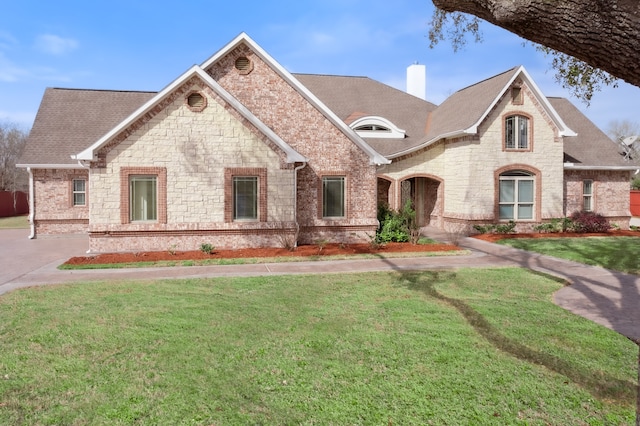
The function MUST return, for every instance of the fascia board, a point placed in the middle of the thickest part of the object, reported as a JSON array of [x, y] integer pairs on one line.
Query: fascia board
[[88, 154], [292, 155], [50, 166], [572, 166], [374, 156], [564, 129], [444, 136]]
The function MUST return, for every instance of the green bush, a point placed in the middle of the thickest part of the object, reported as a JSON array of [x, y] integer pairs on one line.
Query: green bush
[[397, 226], [207, 248], [555, 225], [635, 183]]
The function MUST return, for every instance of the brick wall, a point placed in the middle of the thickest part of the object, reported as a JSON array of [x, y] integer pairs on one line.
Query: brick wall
[[54, 209], [610, 193], [309, 132]]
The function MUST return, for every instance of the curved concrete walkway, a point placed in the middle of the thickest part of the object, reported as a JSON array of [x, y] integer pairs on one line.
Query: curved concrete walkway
[[609, 298]]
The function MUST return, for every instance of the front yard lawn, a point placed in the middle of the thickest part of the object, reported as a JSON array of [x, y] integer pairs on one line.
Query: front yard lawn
[[474, 346], [617, 253]]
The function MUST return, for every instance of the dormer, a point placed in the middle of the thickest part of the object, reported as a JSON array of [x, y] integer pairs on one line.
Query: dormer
[[377, 127]]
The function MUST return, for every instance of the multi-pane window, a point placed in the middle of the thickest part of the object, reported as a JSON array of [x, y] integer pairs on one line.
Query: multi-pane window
[[79, 192], [516, 132], [516, 196], [333, 199], [245, 197], [143, 198], [587, 195]]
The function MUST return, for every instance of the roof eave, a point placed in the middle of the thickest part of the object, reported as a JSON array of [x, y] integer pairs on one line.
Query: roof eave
[[49, 166], [375, 158], [291, 155], [444, 136], [573, 166]]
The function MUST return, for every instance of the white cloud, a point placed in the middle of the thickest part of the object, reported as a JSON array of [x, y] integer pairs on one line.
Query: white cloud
[[55, 45]]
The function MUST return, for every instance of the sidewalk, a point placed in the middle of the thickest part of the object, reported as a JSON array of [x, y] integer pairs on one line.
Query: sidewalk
[[608, 298]]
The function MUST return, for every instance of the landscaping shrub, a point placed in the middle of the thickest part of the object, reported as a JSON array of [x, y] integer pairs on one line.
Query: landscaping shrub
[[207, 248], [500, 228], [584, 222], [397, 226], [555, 225]]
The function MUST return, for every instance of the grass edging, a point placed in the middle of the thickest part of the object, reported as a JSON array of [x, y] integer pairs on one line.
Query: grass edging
[[258, 260]]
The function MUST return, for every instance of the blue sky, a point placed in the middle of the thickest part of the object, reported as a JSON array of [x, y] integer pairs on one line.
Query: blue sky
[[144, 45]]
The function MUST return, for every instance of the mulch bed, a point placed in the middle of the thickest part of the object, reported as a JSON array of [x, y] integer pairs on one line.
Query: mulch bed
[[300, 251]]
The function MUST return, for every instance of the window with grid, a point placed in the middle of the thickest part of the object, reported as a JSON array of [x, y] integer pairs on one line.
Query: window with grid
[[79, 192], [516, 132], [587, 195], [245, 198], [143, 198], [516, 196], [333, 196]]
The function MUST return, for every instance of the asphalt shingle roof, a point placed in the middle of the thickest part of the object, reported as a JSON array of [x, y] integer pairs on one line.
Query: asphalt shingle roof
[[70, 120]]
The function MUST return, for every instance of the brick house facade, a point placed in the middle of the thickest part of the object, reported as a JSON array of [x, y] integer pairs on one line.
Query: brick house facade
[[238, 152]]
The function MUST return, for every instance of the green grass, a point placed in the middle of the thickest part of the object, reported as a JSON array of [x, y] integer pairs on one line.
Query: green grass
[[14, 222], [618, 253], [477, 347]]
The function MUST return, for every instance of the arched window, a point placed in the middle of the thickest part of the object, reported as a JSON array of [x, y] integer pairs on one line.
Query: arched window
[[516, 132], [516, 195], [377, 127]]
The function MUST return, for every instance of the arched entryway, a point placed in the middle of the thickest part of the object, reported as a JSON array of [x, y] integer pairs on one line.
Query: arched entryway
[[425, 193]]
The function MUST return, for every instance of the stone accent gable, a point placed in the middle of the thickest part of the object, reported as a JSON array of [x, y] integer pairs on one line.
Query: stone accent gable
[[181, 94]]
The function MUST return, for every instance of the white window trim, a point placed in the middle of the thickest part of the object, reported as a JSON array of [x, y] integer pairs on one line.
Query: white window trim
[[394, 133], [74, 192]]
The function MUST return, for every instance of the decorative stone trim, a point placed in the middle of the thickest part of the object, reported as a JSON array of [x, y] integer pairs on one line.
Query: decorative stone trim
[[537, 179], [243, 65], [196, 101], [229, 174], [530, 131], [160, 173]]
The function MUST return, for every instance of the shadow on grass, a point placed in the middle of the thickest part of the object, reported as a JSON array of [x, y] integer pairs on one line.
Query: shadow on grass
[[599, 385]]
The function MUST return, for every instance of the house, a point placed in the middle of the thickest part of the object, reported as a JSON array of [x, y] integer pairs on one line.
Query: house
[[238, 152]]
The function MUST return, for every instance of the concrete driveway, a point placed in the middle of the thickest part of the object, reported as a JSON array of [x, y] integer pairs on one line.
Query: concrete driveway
[[19, 255]]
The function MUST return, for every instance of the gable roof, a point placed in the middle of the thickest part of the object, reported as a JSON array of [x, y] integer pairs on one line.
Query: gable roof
[[90, 152], [462, 113], [69, 120], [351, 98], [590, 148], [243, 38]]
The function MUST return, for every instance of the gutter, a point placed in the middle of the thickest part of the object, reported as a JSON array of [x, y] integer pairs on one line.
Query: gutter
[[32, 209], [573, 166]]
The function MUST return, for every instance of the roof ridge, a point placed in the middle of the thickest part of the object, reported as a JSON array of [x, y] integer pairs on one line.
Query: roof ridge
[[79, 89], [489, 78]]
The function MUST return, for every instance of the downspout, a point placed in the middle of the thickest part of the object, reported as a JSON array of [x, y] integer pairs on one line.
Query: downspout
[[295, 199], [32, 202]]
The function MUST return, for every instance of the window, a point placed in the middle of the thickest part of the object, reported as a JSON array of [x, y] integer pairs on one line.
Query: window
[[516, 132], [516, 195], [333, 204], [245, 198], [143, 198], [79, 192], [372, 128], [587, 195]]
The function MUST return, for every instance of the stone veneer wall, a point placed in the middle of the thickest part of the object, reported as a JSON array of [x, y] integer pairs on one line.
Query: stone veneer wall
[[193, 149], [468, 165], [308, 131], [54, 209], [610, 194]]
